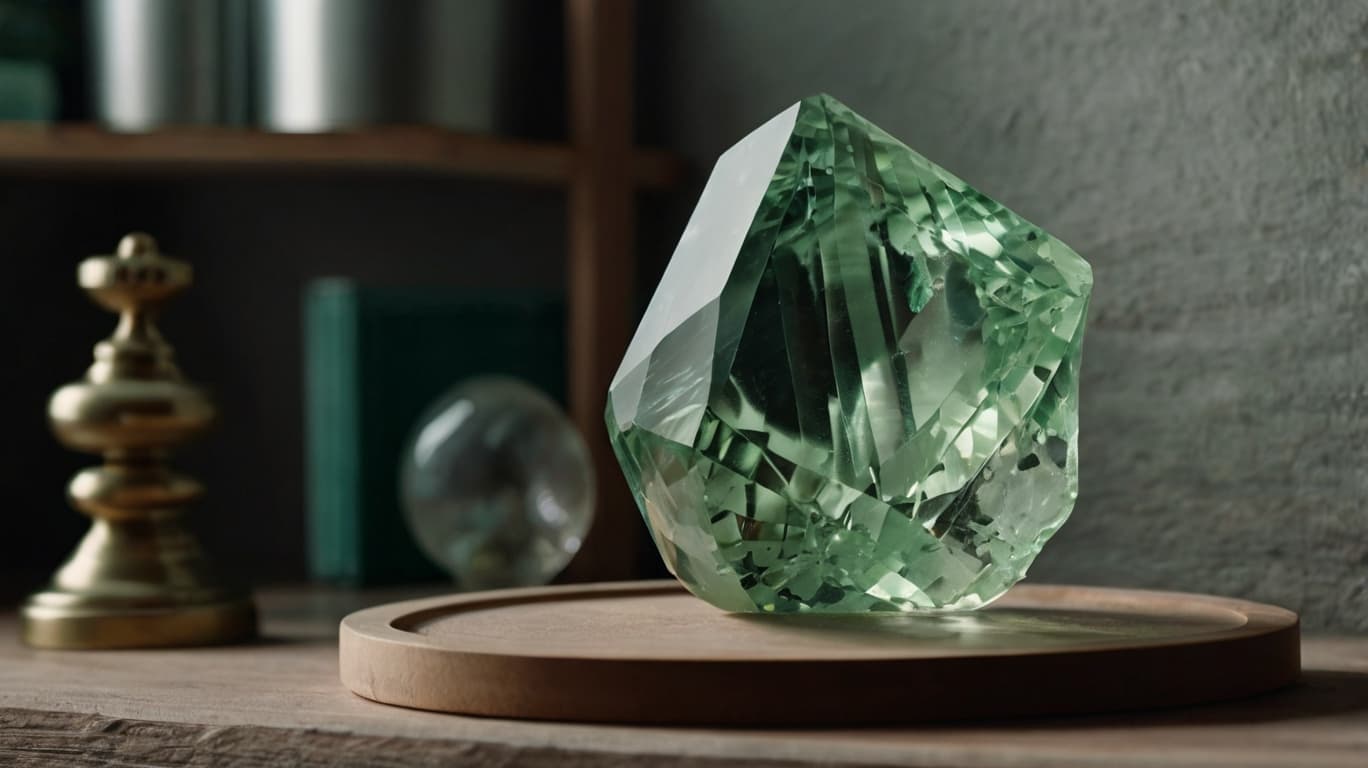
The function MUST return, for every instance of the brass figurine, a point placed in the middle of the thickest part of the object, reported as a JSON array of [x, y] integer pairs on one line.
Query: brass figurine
[[138, 579]]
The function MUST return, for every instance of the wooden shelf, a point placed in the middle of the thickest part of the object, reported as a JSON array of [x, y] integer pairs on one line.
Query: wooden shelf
[[279, 701], [82, 147]]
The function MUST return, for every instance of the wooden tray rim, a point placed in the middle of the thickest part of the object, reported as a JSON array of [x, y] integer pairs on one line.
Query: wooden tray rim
[[394, 622]]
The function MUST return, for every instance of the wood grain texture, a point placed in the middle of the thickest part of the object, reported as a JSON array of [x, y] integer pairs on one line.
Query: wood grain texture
[[651, 653], [32, 739], [280, 703], [87, 148]]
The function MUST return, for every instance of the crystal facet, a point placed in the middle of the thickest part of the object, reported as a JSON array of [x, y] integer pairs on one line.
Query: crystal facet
[[856, 386]]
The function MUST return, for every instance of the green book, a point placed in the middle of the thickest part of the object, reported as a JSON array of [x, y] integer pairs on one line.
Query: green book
[[376, 358]]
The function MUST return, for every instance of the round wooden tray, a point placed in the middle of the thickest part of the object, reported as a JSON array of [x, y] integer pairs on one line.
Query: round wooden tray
[[649, 652]]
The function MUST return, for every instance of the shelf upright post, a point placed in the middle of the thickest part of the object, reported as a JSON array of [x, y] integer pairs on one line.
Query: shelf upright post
[[600, 268]]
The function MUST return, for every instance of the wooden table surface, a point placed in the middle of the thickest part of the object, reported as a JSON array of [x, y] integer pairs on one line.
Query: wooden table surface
[[279, 702]]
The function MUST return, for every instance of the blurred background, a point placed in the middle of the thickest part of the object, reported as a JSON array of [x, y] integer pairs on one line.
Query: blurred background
[[1209, 158]]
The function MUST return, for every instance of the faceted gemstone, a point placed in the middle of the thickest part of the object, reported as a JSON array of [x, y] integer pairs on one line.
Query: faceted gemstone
[[856, 387]]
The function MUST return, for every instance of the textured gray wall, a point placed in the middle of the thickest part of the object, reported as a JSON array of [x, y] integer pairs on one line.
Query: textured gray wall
[[1211, 160]]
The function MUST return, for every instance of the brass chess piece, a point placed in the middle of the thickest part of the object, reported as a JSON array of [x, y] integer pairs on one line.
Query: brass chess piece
[[139, 578]]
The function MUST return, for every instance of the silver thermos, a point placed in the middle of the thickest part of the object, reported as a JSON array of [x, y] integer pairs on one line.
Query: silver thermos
[[166, 62], [320, 64], [302, 65]]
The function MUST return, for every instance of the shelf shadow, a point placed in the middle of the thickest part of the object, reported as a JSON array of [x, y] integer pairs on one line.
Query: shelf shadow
[[1320, 693]]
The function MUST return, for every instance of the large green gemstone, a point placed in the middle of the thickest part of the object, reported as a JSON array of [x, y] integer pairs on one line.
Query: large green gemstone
[[856, 387]]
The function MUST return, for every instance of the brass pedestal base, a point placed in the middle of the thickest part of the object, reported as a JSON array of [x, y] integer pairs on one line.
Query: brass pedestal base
[[137, 583], [138, 579], [61, 620]]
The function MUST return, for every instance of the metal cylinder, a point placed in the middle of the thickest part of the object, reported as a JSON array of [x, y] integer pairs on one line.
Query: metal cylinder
[[320, 64], [463, 50], [157, 62]]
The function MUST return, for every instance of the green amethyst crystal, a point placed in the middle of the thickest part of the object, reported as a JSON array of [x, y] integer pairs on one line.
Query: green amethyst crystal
[[856, 387]]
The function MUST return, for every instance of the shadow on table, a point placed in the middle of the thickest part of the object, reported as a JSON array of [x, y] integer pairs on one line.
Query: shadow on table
[[1320, 693]]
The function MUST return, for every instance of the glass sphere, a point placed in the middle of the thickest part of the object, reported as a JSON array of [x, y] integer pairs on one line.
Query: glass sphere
[[497, 485]]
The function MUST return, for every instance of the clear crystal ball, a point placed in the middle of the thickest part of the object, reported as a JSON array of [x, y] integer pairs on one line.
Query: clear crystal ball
[[497, 485]]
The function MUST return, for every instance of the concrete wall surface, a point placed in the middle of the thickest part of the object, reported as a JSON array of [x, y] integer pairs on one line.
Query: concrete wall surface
[[1211, 160]]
